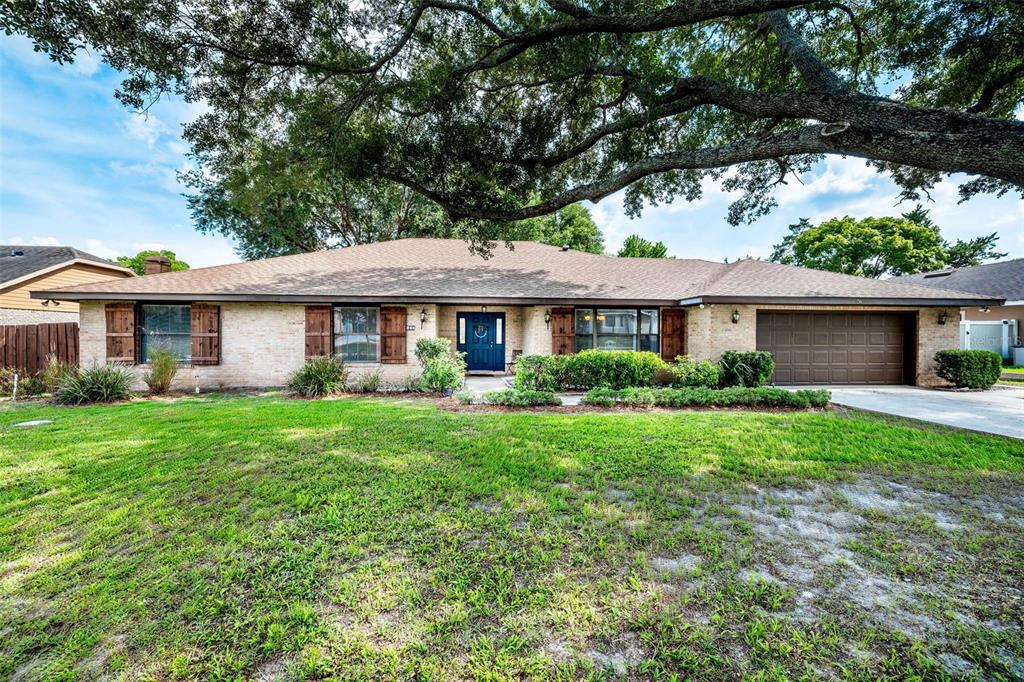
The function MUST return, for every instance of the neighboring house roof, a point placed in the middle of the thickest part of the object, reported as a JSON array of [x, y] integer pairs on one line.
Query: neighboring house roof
[[444, 270], [19, 263], [1005, 280]]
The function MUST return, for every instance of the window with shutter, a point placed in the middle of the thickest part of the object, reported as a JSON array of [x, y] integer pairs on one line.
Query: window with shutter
[[318, 331], [392, 335], [121, 332], [205, 334]]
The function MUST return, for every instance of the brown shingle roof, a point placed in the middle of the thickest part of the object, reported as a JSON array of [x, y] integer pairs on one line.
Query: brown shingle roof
[[444, 270], [19, 261], [1005, 279]]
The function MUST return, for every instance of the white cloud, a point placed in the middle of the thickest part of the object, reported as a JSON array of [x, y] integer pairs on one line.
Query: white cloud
[[85, 64], [35, 241], [843, 176], [98, 248], [145, 127]]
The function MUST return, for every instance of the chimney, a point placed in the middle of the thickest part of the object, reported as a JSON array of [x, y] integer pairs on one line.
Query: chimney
[[154, 265]]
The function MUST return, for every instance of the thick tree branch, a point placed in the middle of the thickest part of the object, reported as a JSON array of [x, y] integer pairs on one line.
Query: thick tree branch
[[679, 14], [815, 72], [988, 93]]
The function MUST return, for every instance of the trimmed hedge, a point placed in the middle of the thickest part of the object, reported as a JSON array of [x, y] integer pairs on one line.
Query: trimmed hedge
[[587, 369], [969, 368], [726, 397], [692, 373], [520, 398]]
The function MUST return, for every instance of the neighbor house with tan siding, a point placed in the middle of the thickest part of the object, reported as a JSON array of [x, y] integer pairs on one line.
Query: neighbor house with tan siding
[[24, 269], [252, 324]]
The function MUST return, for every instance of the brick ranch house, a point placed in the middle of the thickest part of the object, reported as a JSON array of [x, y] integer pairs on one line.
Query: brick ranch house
[[253, 324]]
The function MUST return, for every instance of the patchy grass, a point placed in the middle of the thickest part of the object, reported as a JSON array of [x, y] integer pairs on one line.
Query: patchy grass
[[257, 537]]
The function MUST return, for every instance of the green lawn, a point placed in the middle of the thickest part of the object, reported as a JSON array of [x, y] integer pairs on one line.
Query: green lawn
[[1014, 370], [264, 538]]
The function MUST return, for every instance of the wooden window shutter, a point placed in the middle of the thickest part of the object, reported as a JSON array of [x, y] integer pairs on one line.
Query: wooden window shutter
[[563, 332], [318, 331], [121, 339], [205, 334], [392, 335]]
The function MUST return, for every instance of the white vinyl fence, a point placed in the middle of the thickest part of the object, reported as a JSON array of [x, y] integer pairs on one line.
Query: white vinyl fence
[[996, 335]]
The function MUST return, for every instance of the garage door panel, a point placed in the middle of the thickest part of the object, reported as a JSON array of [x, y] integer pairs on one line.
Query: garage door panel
[[835, 347]]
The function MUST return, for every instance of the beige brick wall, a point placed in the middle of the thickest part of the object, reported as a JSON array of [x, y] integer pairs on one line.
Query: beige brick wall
[[536, 332], [710, 332], [261, 345]]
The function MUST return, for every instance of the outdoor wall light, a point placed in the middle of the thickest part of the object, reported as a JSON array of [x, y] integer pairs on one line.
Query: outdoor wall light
[[423, 317], [984, 309], [735, 316], [943, 317], [547, 318], [48, 302], [483, 309]]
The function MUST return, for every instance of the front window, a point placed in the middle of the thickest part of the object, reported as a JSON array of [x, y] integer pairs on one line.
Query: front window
[[584, 328], [649, 330], [165, 327], [617, 329], [356, 336]]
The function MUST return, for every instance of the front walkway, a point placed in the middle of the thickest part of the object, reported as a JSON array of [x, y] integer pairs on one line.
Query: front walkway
[[999, 410]]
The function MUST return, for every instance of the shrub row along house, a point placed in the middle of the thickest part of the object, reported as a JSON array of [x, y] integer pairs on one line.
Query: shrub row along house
[[252, 324]]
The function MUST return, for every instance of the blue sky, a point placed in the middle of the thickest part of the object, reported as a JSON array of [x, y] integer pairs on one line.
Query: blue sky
[[78, 168]]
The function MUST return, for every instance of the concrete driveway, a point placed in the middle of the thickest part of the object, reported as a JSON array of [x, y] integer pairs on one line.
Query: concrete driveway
[[999, 410]]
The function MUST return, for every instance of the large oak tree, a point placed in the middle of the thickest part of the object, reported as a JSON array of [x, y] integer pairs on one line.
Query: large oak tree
[[504, 111]]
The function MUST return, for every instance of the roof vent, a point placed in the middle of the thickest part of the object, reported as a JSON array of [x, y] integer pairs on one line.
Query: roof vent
[[929, 275], [565, 247], [17, 252]]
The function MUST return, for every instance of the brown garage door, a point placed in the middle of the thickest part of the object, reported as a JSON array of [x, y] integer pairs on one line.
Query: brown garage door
[[836, 348]]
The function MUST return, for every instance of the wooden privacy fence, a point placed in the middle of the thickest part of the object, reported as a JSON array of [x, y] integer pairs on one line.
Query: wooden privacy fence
[[27, 346]]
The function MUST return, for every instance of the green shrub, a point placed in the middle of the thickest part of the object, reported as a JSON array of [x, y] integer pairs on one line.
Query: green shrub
[[163, 367], [969, 368], [54, 371], [465, 397], [28, 385], [540, 372], [410, 383], [99, 384], [749, 368], [443, 373], [692, 373], [668, 376], [432, 348], [588, 369], [520, 398], [368, 382], [319, 377], [699, 396]]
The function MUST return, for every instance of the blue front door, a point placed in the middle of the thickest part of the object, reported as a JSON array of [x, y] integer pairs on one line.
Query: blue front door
[[481, 336]]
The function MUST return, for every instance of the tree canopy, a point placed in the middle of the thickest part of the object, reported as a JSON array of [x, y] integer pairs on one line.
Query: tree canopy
[[874, 247], [959, 254], [503, 111], [137, 262], [636, 246]]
